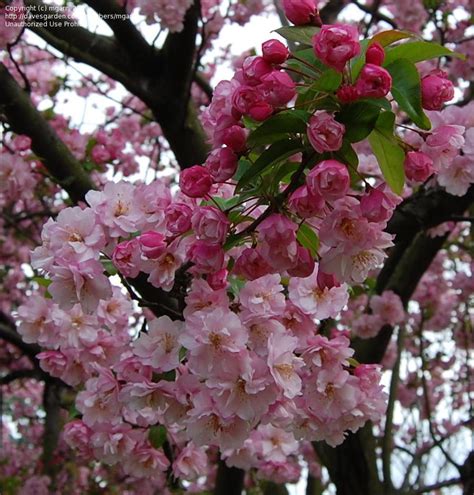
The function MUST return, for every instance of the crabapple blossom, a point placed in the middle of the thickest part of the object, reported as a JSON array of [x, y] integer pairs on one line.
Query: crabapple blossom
[[324, 132], [336, 44], [436, 90], [300, 12], [329, 179]]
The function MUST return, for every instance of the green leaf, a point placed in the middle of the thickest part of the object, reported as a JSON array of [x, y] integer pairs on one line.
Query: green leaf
[[386, 38], [109, 267], [42, 281], [388, 152], [157, 436], [242, 168], [277, 152], [358, 62], [347, 155], [417, 51], [359, 118], [308, 239], [406, 90], [278, 127], [328, 81], [300, 34]]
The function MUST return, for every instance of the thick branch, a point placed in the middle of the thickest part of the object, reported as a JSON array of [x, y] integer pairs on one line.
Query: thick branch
[[230, 480], [23, 118], [52, 427]]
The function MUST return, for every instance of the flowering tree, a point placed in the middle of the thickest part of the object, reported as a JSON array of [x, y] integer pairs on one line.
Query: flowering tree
[[233, 332]]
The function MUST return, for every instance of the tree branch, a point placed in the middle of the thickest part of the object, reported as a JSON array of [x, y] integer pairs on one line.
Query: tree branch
[[23, 118]]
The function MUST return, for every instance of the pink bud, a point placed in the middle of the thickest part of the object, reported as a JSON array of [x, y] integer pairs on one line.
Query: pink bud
[[336, 44], [418, 166], [210, 224], [436, 89], [347, 94], [217, 280], [221, 164], [261, 111], [275, 52], [376, 206], [300, 12], [305, 204], [152, 244], [277, 88], [178, 218], [251, 265], [235, 137], [304, 265], [206, 257], [325, 132], [126, 257], [195, 181], [329, 179], [326, 280], [373, 82], [375, 54], [244, 98], [254, 68]]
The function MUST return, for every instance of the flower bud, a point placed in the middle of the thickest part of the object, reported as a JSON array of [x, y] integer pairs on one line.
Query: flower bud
[[254, 68], [300, 12], [210, 224], [195, 181], [275, 52], [304, 265], [324, 132], [347, 94], [305, 204], [277, 88], [418, 166], [375, 54], [336, 44], [207, 258], [329, 179], [373, 82], [235, 137], [436, 89], [222, 164], [178, 218], [251, 265], [152, 244]]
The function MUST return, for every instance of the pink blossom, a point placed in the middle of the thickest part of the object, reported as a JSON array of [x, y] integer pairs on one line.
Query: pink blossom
[[251, 264], [329, 179], [262, 297], [152, 244], [436, 90], [209, 336], [304, 203], [300, 12], [367, 326], [207, 257], [277, 88], [146, 462], [143, 402], [195, 181], [443, 144], [116, 208], [418, 166], [336, 44], [254, 68], [126, 257], [376, 205], [159, 346], [275, 52], [222, 164], [283, 364], [324, 132], [191, 462], [210, 224], [162, 270], [277, 236], [319, 302], [457, 176], [375, 54], [178, 218], [81, 282], [373, 82]]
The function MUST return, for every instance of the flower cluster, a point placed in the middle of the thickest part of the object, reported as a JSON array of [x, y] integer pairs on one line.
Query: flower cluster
[[259, 245]]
